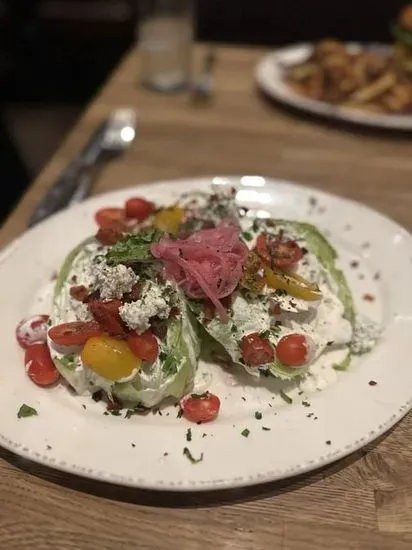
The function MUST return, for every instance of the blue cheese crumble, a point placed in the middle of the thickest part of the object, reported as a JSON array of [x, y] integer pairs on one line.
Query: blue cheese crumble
[[113, 282], [137, 314]]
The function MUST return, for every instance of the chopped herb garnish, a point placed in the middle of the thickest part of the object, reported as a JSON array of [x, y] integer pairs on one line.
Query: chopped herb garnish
[[170, 364], [372, 383], [264, 372], [286, 397], [133, 248], [233, 328], [68, 361], [265, 429], [25, 411], [165, 454], [354, 263], [204, 435], [247, 236], [49, 322], [258, 415], [84, 406], [265, 334], [133, 445], [280, 292], [328, 442], [189, 455], [245, 432], [243, 398], [180, 413], [97, 396], [199, 395], [306, 403], [115, 412], [330, 343], [255, 225], [106, 413], [189, 435]]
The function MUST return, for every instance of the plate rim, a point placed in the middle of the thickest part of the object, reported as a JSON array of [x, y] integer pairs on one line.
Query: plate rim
[[218, 484]]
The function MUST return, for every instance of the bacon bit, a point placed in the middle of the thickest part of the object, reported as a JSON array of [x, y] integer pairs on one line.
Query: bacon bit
[[134, 294], [174, 312], [113, 404], [252, 279], [369, 297], [209, 310], [74, 279], [95, 295], [276, 309], [106, 313], [108, 237], [159, 328], [79, 293]]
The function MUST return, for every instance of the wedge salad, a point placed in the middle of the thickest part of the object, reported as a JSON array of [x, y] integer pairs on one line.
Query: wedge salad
[[134, 304]]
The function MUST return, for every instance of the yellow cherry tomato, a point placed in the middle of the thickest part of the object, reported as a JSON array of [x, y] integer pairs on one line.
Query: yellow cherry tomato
[[295, 285], [169, 219], [110, 358]]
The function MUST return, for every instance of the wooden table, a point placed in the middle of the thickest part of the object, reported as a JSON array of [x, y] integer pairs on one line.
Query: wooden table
[[363, 502]]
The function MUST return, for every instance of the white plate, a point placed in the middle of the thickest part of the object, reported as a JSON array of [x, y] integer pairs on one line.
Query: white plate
[[349, 413], [269, 75]]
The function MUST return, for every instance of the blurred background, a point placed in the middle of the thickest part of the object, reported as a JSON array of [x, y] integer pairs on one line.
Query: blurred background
[[55, 54]]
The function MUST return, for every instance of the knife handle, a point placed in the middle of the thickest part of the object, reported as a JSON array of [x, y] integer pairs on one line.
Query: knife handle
[[59, 195]]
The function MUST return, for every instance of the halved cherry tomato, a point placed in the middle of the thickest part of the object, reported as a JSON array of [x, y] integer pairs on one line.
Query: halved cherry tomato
[[109, 357], [40, 366], [256, 350], [169, 219], [201, 408], [75, 333], [106, 313], [111, 218], [138, 208], [144, 346], [285, 254], [262, 247], [292, 350], [32, 329]]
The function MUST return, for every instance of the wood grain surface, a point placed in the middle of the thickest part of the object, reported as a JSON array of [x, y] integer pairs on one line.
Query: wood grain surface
[[363, 502]]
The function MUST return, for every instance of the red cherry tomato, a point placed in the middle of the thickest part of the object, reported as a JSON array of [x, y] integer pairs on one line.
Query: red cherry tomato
[[111, 218], [138, 208], [108, 237], [256, 350], [144, 346], [262, 247], [292, 350], [285, 254], [32, 330], [75, 333], [201, 408], [40, 366], [106, 313]]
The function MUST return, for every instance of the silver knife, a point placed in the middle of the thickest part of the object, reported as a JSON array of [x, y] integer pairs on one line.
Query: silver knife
[[111, 137]]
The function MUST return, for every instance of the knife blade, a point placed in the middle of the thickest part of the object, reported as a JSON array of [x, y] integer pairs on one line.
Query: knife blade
[[60, 193]]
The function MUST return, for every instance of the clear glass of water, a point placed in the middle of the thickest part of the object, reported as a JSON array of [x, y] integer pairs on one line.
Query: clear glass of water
[[165, 33]]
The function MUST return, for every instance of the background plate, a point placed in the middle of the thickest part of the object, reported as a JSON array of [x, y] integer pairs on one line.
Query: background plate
[[269, 76]]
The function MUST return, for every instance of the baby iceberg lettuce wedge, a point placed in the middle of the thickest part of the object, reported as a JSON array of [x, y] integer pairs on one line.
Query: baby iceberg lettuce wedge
[[119, 328]]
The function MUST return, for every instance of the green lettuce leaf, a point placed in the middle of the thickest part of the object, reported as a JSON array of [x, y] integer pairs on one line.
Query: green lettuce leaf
[[318, 245]]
